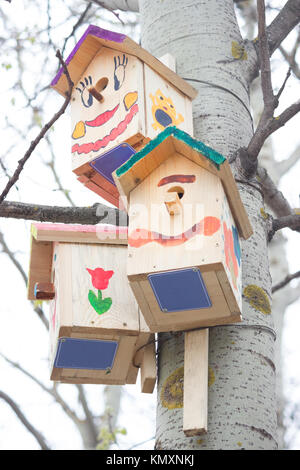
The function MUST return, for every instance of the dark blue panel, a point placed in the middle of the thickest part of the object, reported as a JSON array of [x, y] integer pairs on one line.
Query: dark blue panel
[[180, 290], [73, 353], [107, 163]]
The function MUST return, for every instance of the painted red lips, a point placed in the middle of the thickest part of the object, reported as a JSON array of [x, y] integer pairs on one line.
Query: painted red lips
[[102, 118]]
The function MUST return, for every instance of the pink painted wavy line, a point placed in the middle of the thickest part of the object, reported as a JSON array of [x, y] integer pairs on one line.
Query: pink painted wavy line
[[207, 226], [114, 133]]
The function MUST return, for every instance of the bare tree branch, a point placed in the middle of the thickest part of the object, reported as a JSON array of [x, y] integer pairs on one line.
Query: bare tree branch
[[291, 57], [288, 221], [51, 165], [76, 26], [285, 281], [98, 213], [89, 418], [51, 391], [267, 123], [285, 165], [273, 197], [107, 7], [38, 436], [43, 131], [5, 249], [123, 5], [283, 24]]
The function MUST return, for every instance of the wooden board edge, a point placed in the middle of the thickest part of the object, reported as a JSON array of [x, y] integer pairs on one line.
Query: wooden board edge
[[195, 394], [45, 232], [235, 202]]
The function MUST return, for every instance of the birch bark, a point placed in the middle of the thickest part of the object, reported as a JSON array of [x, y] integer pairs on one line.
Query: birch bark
[[204, 37]]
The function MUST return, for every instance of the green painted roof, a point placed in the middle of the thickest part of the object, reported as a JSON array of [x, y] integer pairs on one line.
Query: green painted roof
[[216, 158]]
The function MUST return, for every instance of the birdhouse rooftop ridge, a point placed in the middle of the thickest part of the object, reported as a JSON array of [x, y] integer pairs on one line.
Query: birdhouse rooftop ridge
[[91, 43], [216, 158], [93, 31]]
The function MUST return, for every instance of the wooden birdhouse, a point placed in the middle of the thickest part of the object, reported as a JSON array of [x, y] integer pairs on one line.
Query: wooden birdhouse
[[122, 98], [185, 223], [97, 333]]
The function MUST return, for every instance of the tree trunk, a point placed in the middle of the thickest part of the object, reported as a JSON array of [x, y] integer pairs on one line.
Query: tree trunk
[[205, 39]]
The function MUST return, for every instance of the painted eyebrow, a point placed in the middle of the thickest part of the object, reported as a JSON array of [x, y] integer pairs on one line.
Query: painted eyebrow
[[177, 179]]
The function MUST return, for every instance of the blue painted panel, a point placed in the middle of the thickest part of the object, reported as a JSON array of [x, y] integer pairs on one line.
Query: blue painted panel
[[180, 290], [107, 163], [73, 353]]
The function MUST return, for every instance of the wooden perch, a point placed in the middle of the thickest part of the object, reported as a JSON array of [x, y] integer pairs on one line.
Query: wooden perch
[[195, 382]]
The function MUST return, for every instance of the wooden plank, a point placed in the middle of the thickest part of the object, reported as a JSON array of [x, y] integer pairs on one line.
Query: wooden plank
[[148, 367], [102, 193], [44, 291], [118, 374], [158, 321], [70, 233], [237, 207], [195, 382], [40, 265]]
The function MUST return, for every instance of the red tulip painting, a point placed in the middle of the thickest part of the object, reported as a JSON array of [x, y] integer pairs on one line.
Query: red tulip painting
[[100, 280]]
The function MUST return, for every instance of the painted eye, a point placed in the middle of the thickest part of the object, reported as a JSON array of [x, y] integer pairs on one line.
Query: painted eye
[[171, 106], [161, 97], [86, 98]]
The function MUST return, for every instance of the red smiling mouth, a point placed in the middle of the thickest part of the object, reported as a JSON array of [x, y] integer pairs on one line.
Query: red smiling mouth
[[114, 133], [102, 118]]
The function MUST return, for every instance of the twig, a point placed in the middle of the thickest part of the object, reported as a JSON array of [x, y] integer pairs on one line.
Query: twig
[[43, 131], [285, 281], [98, 213], [273, 197], [285, 165], [76, 26], [37, 309], [51, 165], [267, 123], [289, 221], [89, 417], [106, 7], [286, 20], [51, 391], [288, 74], [38, 436]]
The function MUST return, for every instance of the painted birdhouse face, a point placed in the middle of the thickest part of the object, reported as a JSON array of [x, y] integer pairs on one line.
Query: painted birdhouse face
[[122, 98], [184, 256], [95, 324], [105, 106]]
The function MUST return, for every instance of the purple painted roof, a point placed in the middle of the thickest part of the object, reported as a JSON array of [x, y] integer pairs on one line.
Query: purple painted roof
[[92, 31]]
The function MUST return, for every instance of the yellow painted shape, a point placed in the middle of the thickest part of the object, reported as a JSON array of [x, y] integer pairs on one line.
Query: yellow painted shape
[[130, 99], [166, 105], [238, 51], [257, 298], [171, 394], [79, 130]]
